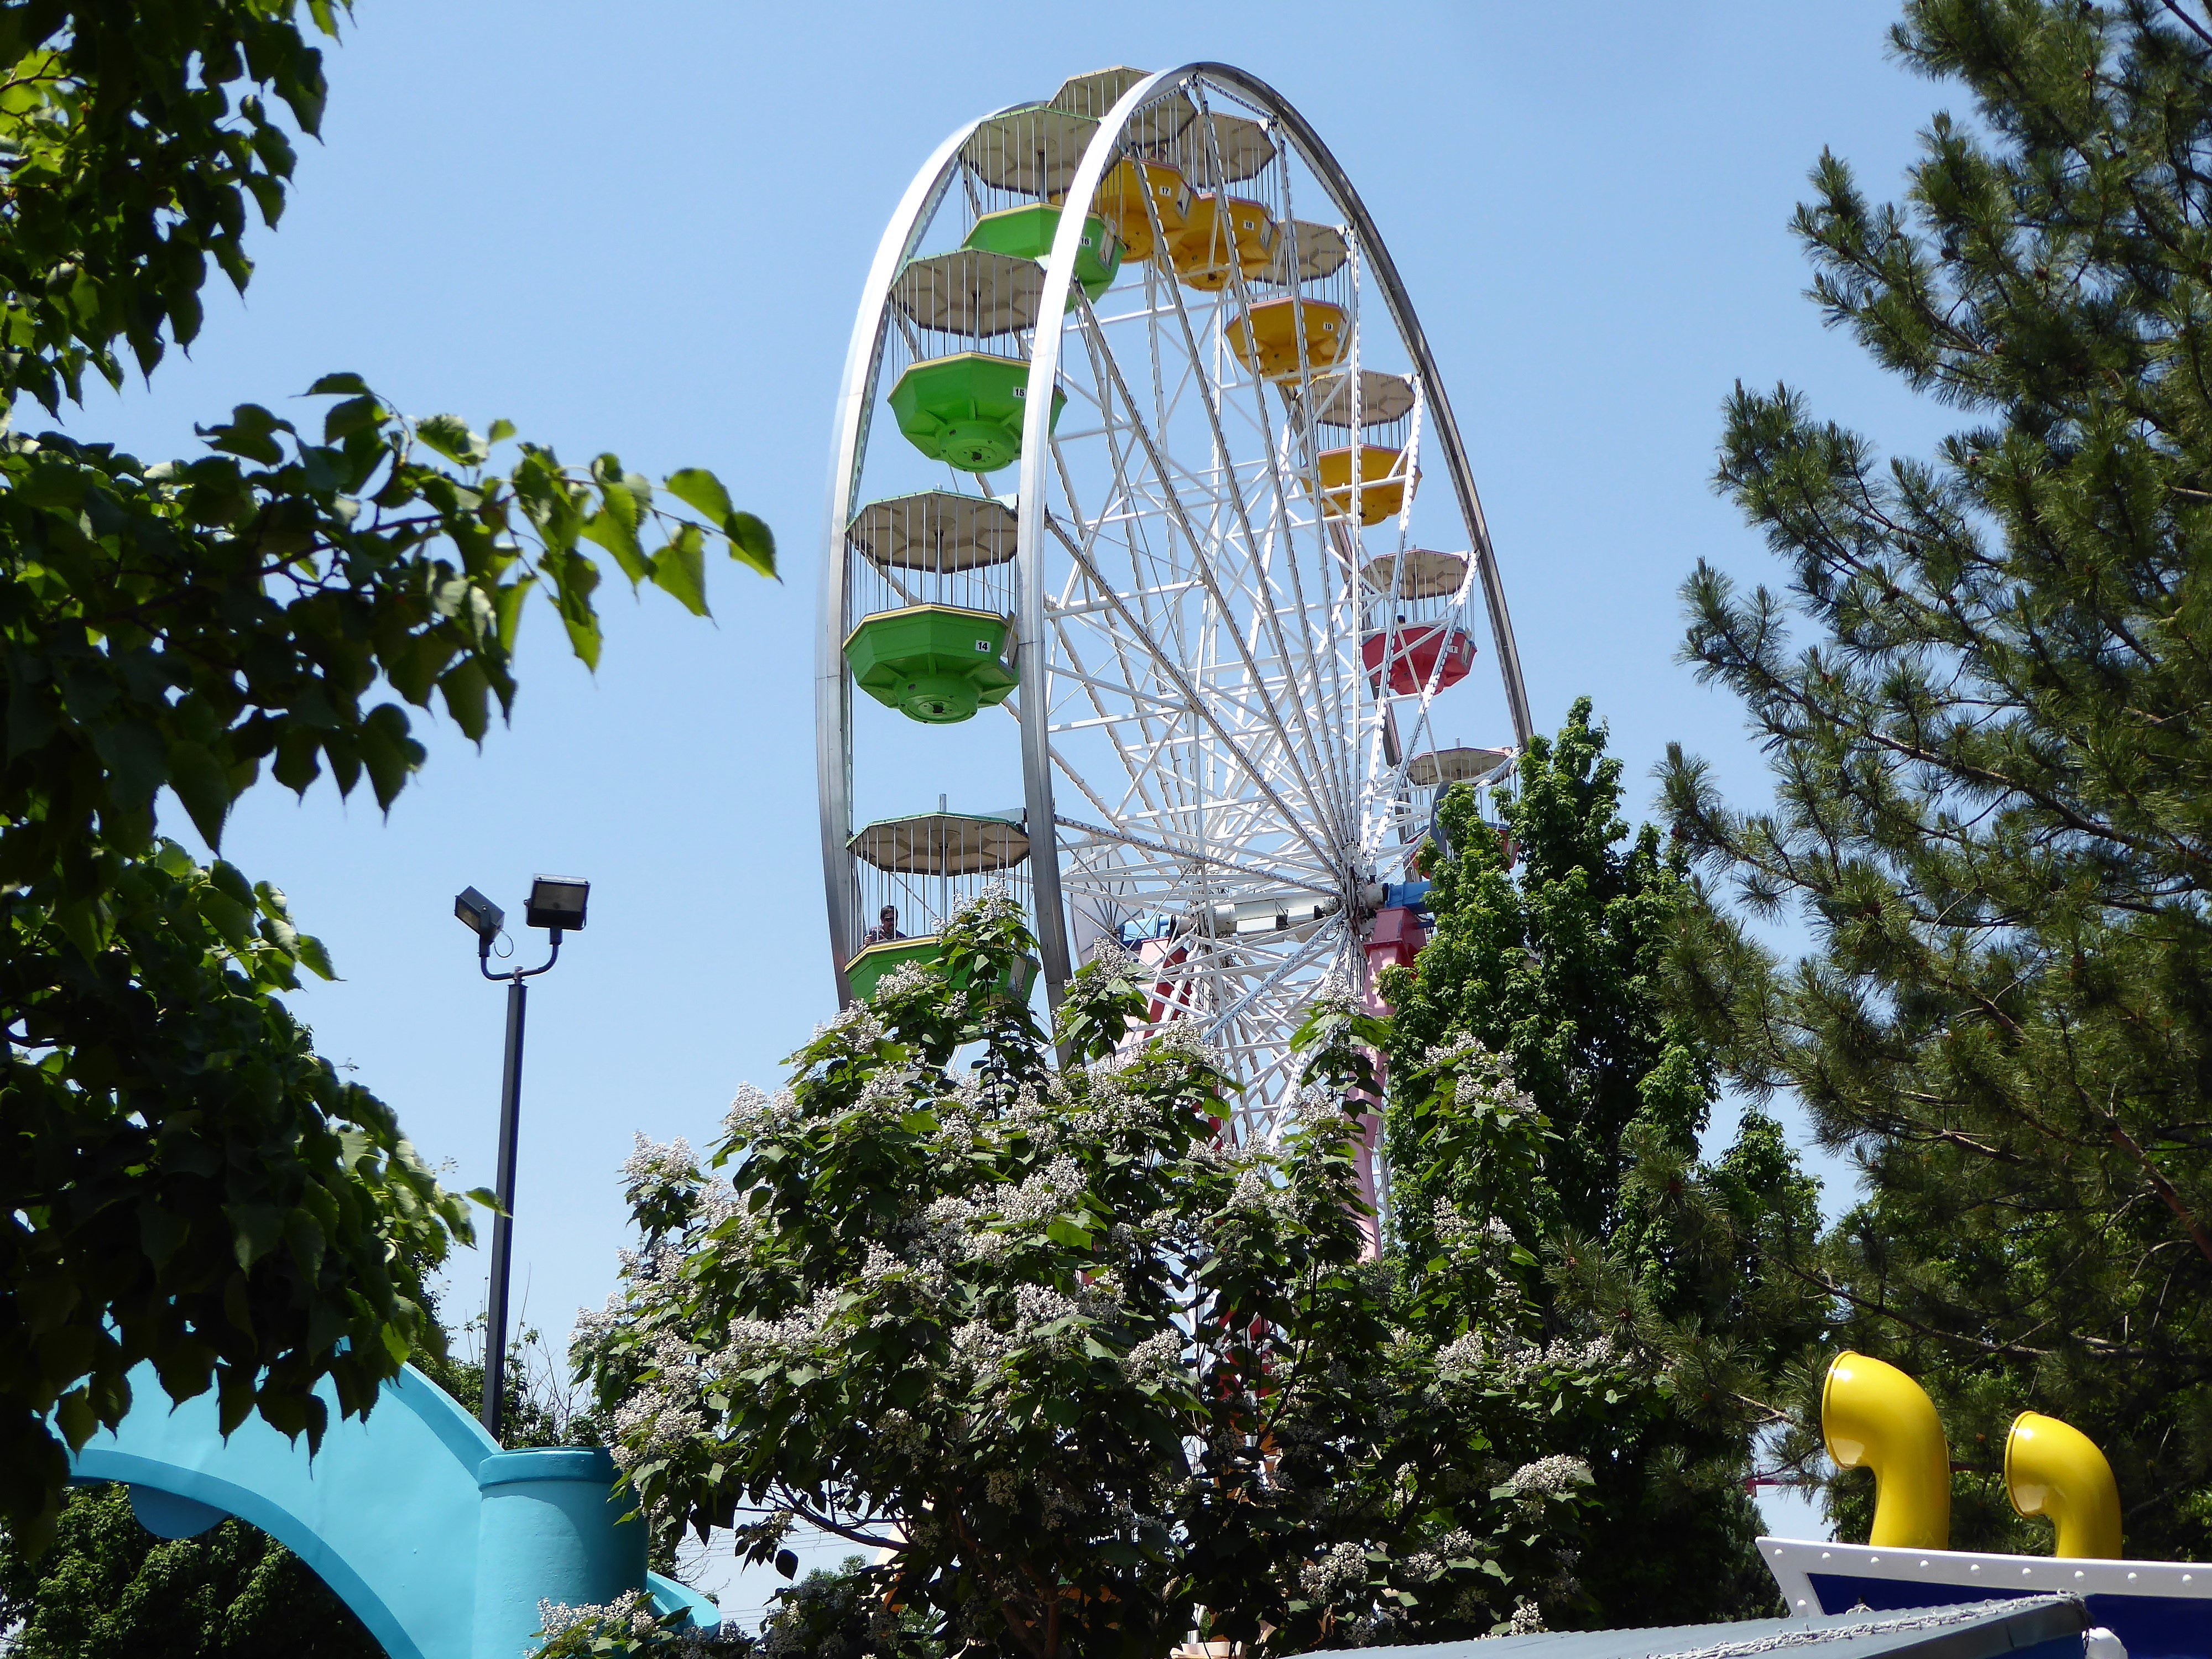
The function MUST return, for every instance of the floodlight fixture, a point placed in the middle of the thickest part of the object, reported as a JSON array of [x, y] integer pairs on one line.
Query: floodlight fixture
[[484, 919], [557, 902]]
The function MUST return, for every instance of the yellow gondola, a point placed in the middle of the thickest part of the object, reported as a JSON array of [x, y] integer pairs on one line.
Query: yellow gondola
[[1382, 485], [1121, 202], [1223, 232], [1274, 326]]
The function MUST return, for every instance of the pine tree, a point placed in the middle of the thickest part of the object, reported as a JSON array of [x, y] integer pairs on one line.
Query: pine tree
[[1991, 755], [1570, 1120]]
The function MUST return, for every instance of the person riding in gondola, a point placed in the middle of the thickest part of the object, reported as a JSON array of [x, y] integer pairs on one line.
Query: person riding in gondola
[[886, 928]]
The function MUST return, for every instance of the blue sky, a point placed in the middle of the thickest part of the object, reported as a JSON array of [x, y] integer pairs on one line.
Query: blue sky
[[644, 228]]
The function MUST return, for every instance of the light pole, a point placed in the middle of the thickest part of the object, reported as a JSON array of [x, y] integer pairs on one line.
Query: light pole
[[556, 903]]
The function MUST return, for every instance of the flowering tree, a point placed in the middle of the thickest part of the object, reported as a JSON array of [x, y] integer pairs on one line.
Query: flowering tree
[[1074, 1367]]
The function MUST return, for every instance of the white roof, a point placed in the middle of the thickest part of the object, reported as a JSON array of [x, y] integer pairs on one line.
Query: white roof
[[1031, 151], [1322, 250], [941, 844], [1427, 576], [936, 531], [1463, 765], [1382, 398], [970, 291]]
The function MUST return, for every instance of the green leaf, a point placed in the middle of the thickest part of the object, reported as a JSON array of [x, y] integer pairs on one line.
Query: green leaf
[[202, 786], [251, 432], [467, 691], [680, 568], [698, 487], [752, 541], [388, 752], [450, 436], [573, 577], [339, 384], [355, 415], [257, 1228], [618, 533]]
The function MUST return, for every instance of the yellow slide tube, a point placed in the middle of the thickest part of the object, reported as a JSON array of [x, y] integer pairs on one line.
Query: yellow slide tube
[[2053, 1469], [1874, 1416]]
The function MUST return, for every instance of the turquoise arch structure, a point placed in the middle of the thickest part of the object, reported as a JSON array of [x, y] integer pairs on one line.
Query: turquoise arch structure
[[443, 1544]]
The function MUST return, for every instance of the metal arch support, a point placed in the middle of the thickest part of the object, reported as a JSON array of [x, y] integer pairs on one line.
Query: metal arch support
[[832, 692], [1044, 375]]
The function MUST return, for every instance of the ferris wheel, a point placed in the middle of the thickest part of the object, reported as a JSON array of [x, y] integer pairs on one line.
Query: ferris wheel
[[1172, 482]]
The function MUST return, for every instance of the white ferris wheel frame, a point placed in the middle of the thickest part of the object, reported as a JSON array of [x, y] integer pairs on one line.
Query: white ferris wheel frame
[[1033, 634]]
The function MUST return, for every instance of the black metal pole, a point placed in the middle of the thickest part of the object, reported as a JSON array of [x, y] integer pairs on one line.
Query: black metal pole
[[502, 1226]]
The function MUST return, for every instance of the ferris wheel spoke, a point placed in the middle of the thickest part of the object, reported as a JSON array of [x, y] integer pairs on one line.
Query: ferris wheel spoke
[[1196, 854], [1323, 943], [1264, 605], [1199, 705], [1144, 780], [1345, 820], [1203, 569]]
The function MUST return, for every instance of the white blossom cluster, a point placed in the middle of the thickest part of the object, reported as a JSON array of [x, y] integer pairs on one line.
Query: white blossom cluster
[[1528, 1619], [1108, 1112], [790, 1633], [652, 1165], [1183, 1037], [755, 1115], [1258, 1192], [1562, 1353], [1343, 1570], [1462, 1357], [1555, 1474], [630, 1615], [1516, 1361], [892, 1092], [1316, 1104], [1156, 1361], [1446, 1056], [1457, 1545], [800, 1335], [1037, 1305], [994, 904], [1456, 1232], [1048, 1193], [905, 977], [662, 1414], [856, 1024], [1475, 1089]]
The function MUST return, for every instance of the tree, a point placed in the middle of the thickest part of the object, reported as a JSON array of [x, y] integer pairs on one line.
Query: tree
[[183, 1180], [105, 1585], [1547, 1099], [1077, 1366], [1991, 758]]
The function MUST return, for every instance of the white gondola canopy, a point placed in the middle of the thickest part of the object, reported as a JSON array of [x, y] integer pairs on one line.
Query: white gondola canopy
[[1416, 573], [970, 291], [943, 844], [936, 531], [1461, 765]]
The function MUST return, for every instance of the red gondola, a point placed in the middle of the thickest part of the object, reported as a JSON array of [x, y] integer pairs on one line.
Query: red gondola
[[1414, 653]]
